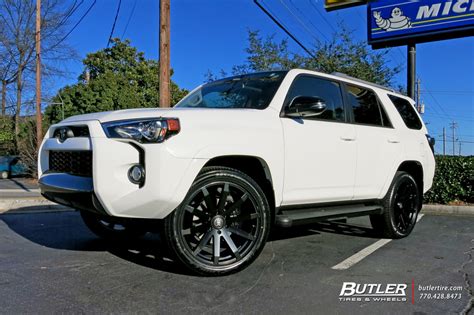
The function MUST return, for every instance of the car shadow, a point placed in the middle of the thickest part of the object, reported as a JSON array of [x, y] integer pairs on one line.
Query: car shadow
[[65, 230]]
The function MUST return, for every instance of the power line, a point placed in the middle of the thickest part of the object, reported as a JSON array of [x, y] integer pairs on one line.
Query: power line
[[75, 25], [301, 22], [321, 15], [115, 21], [308, 19], [436, 102], [129, 18], [280, 25]]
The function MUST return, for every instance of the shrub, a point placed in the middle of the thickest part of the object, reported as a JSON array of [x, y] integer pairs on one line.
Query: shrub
[[453, 181]]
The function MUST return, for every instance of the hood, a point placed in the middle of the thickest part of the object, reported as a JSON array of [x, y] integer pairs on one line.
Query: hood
[[138, 113]]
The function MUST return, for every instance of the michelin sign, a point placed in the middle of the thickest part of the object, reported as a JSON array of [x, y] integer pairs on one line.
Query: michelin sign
[[393, 23]]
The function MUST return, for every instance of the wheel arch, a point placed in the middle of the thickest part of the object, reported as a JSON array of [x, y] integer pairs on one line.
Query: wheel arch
[[253, 166], [415, 169]]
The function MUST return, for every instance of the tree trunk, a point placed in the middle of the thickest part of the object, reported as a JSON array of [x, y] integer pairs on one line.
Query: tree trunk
[[4, 97], [19, 87]]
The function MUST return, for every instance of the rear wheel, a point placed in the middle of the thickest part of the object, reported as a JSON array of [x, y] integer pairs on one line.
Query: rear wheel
[[4, 175], [222, 224], [111, 228], [401, 206]]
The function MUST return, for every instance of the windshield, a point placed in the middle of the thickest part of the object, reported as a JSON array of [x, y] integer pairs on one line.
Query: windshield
[[247, 91]]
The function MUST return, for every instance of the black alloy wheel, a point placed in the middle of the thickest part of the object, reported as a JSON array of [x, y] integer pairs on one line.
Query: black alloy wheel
[[222, 224], [401, 206]]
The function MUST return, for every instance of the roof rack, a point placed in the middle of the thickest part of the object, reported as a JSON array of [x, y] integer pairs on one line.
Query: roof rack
[[343, 75]]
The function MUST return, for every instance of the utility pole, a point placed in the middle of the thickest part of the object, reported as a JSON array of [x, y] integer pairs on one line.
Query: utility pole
[[165, 98], [39, 127], [411, 70], [418, 94], [460, 146], [454, 125], [444, 141]]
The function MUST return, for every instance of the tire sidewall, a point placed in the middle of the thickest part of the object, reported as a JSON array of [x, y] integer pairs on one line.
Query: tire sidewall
[[252, 188], [400, 179]]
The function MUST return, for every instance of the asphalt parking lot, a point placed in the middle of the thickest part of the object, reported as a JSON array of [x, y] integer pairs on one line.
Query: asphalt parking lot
[[51, 263]]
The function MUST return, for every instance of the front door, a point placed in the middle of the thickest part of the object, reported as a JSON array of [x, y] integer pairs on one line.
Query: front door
[[320, 152]]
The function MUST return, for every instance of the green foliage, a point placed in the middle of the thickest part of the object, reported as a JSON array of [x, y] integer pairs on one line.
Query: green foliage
[[7, 135], [119, 77], [341, 54], [453, 181]]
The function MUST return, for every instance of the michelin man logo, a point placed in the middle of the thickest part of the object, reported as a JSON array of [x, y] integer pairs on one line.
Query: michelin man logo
[[397, 22]]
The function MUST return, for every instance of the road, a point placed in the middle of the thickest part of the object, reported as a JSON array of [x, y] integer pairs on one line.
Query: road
[[51, 263], [18, 188]]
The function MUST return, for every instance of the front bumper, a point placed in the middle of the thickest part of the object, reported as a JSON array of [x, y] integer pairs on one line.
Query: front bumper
[[72, 191], [109, 190]]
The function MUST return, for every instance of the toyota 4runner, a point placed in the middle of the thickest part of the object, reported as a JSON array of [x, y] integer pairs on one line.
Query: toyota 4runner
[[239, 156]]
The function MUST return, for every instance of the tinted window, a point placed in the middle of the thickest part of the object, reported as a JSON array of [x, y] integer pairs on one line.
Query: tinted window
[[245, 91], [326, 90], [366, 107], [407, 112]]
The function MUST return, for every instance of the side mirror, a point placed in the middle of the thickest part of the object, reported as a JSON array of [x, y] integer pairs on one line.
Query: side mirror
[[305, 106]]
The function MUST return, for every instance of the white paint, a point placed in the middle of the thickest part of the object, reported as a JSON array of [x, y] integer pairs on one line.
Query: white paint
[[360, 255]]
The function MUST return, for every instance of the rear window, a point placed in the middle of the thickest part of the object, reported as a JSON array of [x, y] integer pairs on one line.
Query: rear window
[[407, 111]]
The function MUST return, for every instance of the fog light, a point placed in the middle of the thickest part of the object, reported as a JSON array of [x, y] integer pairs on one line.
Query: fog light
[[136, 174]]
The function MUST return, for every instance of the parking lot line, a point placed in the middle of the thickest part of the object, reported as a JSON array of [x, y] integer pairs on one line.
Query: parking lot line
[[20, 190], [357, 257]]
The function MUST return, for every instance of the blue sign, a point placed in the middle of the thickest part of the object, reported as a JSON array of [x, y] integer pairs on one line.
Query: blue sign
[[400, 22]]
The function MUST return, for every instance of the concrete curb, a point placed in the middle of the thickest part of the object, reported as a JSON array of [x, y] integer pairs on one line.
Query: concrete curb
[[448, 210], [30, 205]]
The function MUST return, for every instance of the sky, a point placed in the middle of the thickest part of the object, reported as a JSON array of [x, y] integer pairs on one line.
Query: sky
[[212, 35]]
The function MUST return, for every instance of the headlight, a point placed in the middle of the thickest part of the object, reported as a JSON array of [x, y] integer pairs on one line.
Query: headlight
[[143, 130]]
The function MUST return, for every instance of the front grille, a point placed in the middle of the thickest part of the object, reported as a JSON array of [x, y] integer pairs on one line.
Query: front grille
[[77, 131], [77, 163]]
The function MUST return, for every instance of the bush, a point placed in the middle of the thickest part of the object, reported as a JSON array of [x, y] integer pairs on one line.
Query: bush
[[453, 181]]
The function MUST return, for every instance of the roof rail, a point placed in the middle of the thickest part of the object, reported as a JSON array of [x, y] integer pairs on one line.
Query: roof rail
[[343, 75]]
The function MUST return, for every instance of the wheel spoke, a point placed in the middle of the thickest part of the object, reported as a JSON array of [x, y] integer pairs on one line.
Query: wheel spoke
[[210, 203], [217, 247], [241, 233], [204, 240], [231, 243], [236, 205], [244, 217], [223, 197]]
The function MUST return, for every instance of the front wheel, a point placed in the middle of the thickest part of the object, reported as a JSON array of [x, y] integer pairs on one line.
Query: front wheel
[[222, 224], [4, 175], [401, 206]]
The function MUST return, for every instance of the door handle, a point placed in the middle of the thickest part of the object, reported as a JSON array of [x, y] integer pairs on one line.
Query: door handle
[[344, 138], [393, 140]]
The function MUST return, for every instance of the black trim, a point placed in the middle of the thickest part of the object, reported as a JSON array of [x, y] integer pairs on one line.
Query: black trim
[[367, 202], [81, 201], [141, 161], [315, 213]]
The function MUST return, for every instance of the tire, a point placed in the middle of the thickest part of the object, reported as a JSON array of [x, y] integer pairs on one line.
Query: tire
[[4, 175], [111, 228], [401, 206], [222, 224]]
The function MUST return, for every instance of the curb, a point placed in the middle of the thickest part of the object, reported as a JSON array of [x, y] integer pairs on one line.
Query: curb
[[448, 210], [32, 205]]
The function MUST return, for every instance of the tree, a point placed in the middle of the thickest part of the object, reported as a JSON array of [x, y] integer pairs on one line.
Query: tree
[[17, 44], [117, 77], [340, 54]]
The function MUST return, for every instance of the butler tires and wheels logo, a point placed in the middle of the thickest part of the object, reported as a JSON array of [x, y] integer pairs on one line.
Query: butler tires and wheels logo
[[373, 292]]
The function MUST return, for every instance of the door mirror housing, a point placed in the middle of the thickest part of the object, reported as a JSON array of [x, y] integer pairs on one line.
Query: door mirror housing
[[305, 106]]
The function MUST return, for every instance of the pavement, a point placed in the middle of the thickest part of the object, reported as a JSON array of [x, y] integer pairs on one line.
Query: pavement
[[18, 188], [51, 263]]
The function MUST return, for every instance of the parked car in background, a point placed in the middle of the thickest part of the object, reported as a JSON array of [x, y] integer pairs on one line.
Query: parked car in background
[[11, 165]]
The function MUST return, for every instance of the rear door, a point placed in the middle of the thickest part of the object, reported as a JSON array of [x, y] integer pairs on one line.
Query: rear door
[[378, 143], [320, 152]]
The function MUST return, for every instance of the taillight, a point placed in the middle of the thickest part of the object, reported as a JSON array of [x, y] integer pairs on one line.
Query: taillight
[[431, 142]]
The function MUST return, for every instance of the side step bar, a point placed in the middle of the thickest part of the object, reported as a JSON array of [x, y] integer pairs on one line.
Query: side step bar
[[297, 217]]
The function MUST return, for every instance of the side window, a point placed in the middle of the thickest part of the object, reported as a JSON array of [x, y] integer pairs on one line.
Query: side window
[[327, 90], [366, 107], [407, 112]]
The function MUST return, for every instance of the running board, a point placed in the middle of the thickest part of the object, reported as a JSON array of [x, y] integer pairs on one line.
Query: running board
[[297, 217]]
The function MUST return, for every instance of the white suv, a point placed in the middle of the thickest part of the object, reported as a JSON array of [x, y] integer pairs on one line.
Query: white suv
[[240, 155]]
